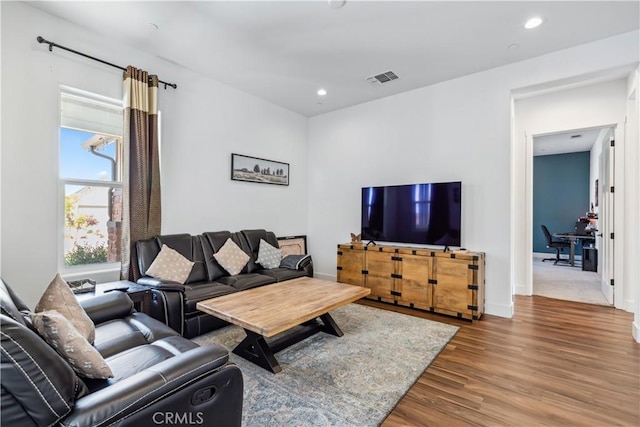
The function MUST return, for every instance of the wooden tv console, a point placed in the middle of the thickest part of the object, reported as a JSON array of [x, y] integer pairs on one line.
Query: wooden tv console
[[450, 283]]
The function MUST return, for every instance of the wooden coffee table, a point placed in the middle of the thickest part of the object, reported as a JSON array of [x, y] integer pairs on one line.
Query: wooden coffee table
[[269, 310]]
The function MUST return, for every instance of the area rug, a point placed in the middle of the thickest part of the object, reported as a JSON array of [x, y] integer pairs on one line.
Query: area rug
[[353, 380]]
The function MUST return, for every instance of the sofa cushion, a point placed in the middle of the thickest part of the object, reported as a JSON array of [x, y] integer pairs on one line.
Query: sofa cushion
[[251, 245], [211, 243], [196, 293], [117, 335], [281, 274], [36, 381], [170, 265], [268, 256], [242, 282], [59, 297], [231, 257], [63, 336]]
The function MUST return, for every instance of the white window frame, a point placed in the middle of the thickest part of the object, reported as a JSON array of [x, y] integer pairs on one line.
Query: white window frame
[[81, 271]]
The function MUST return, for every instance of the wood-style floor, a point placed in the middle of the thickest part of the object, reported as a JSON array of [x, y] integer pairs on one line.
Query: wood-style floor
[[555, 363]]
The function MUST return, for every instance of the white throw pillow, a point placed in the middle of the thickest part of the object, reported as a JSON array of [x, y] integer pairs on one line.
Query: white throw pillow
[[231, 257], [268, 256], [170, 265]]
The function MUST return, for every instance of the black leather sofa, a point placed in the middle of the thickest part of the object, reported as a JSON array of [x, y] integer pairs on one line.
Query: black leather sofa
[[175, 304], [159, 376]]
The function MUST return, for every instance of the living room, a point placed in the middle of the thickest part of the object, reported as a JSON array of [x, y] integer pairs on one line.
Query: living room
[[458, 129]]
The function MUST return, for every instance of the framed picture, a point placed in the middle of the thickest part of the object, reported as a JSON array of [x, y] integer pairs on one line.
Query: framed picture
[[254, 169], [293, 245]]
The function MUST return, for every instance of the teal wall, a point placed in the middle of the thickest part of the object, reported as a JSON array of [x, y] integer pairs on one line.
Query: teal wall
[[560, 194]]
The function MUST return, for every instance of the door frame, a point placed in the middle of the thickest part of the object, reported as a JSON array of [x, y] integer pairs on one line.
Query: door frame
[[618, 209]]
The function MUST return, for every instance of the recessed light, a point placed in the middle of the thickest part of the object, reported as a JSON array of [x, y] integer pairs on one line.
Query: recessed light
[[513, 46], [533, 23], [321, 92], [154, 26]]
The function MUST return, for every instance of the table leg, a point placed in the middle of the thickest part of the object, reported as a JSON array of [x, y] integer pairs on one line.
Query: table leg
[[330, 325], [572, 253], [255, 349]]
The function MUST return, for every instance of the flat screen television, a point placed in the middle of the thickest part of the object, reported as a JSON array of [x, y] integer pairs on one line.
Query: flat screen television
[[429, 214]]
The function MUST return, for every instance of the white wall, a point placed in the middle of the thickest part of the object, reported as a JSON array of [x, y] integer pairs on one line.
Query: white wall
[[203, 122], [632, 195], [577, 108], [456, 130]]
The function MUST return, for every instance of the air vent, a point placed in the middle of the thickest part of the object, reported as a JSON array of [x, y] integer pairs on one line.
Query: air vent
[[382, 78], [575, 136]]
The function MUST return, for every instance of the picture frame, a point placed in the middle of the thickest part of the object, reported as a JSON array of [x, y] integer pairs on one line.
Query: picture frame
[[293, 245], [255, 169]]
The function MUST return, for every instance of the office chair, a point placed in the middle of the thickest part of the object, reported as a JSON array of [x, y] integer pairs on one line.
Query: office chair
[[558, 245]]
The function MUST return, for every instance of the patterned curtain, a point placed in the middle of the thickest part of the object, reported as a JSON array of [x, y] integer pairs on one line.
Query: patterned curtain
[[141, 210]]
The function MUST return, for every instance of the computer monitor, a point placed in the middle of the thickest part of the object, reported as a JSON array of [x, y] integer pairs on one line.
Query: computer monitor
[[581, 228]]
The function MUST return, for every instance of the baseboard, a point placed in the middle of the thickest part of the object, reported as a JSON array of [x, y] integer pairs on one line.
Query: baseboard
[[521, 290], [325, 276], [499, 310], [630, 306]]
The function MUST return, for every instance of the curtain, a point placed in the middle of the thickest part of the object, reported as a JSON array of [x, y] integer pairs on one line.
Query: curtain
[[141, 209]]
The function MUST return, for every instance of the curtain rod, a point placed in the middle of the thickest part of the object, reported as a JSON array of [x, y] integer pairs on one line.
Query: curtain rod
[[52, 44]]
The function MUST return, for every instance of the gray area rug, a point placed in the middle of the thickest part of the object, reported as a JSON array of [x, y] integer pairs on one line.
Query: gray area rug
[[354, 380]]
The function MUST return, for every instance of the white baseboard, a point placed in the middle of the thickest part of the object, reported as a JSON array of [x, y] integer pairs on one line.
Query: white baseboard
[[629, 305], [499, 310], [521, 290], [325, 276]]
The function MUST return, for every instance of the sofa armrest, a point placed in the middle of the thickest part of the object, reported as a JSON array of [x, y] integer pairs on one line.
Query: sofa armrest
[[199, 383], [109, 306], [164, 285]]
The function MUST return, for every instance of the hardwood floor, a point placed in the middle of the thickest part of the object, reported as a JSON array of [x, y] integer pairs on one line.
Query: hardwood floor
[[555, 363]]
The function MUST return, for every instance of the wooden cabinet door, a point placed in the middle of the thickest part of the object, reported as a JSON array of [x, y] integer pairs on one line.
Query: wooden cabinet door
[[379, 266], [350, 263], [451, 292], [413, 286]]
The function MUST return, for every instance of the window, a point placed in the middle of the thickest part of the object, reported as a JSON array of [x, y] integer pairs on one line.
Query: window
[[91, 129]]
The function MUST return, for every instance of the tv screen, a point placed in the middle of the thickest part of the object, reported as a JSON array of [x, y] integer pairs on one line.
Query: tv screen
[[429, 214]]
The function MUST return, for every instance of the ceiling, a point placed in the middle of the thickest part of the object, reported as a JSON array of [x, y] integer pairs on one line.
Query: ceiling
[[571, 141], [284, 51]]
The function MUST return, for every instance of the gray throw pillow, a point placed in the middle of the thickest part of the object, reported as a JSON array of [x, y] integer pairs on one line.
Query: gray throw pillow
[[268, 256], [293, 261]]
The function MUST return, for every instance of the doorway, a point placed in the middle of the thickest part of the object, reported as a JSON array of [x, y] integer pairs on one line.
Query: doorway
[[570, 171], [553, 109]]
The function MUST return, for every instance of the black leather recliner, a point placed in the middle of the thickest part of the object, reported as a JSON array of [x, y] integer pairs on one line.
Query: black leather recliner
[[158, 375], [175, 303]]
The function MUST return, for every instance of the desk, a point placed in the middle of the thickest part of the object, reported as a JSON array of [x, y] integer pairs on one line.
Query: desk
[[573, 238]]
